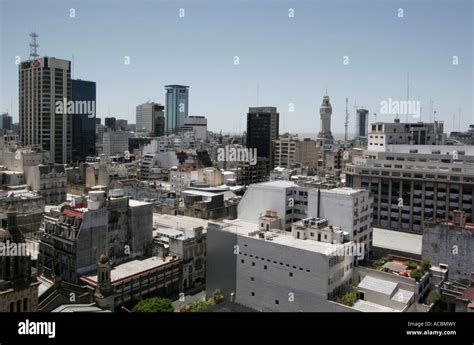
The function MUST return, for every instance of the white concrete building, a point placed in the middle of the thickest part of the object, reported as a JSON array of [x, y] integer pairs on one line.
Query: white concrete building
[[382, 134], [181, 180], [274, 270], [348, 208], [289, 200]]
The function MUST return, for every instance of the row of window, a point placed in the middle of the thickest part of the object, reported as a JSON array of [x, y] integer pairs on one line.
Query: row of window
[[265, 267]]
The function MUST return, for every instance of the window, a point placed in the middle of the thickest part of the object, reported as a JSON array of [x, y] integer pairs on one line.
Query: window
[[253, 263], [252, 279], [265, 267], [291, 274], [242, 261], [277, 302], [253, 293]]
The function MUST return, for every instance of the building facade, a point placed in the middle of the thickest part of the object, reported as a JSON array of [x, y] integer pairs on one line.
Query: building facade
[[177, 99], [44, 90]]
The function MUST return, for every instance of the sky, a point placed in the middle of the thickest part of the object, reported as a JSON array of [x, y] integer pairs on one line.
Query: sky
[[283, 61]]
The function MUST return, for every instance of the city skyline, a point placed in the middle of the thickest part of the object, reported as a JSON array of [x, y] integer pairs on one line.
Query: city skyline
[[205, 58]]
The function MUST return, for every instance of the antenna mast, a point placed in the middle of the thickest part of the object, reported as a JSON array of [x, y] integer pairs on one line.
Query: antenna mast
[[346, 123], [33, 46]]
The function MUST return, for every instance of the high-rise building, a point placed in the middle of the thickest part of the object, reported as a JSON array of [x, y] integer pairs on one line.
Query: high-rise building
[[5, 121], [111, 122], [362, 118], [151, 119], [262, 131], [83, 122], [44, 95], [177, 97], [325, 112]]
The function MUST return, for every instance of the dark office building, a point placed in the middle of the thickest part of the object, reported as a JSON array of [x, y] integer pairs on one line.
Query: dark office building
[[362, 123], [5, 121], [83, 126], [111, 122], [262, 130]]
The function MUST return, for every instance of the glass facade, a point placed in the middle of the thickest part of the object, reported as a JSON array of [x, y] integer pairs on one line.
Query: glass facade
[[176, 106]]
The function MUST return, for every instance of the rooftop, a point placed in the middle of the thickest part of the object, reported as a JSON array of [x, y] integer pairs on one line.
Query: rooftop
[[283, 238], [130, 268]]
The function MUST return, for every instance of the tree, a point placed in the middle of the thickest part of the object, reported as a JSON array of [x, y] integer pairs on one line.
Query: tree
[[416, 274], [349, 298], [153, 305], [433, 297], [425, 265]]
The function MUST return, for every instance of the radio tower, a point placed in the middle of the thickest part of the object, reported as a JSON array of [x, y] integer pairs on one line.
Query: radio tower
[[33, 46], [346, 122]]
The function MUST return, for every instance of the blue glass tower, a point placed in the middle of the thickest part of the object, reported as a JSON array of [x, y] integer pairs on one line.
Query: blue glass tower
[[176, 107]]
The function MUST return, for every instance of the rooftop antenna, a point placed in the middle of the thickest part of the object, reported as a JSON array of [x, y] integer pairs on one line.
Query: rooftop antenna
[[459, 117], [33, 46], [346, 122]]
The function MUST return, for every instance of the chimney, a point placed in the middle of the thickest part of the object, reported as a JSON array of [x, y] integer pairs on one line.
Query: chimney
[[459, 218]]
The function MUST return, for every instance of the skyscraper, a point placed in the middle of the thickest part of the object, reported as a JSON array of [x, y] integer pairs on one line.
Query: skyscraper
[[362, 117], [262, 130], [83, 122], [176, 106], [151, 118], [44, 94], [325, 129]]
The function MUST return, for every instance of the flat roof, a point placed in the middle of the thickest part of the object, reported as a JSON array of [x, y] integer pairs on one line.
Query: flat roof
[[277, 184], [397, 240], [282, 237], [131, 268], [378, 285], [173, 222], [369, 307]]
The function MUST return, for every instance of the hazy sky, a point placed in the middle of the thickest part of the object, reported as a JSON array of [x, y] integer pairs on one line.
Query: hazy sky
[[288, 60]]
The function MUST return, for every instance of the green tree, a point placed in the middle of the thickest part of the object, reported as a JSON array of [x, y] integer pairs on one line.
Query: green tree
[[153, 305], [433, 297], [416, 274], [198, 306], [349, 298], [425, 265]]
